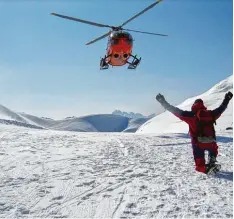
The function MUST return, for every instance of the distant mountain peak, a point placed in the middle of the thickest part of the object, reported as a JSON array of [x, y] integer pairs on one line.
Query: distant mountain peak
[[128, 114]]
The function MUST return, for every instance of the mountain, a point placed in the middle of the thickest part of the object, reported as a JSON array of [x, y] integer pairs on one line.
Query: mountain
[[120, 121], [9, 117], [8, 114], [93, 123], [128, 114], [90, 123], [166, 122], [40, 121]]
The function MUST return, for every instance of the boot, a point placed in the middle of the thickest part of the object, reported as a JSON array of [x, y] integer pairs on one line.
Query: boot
[[211, 170], [212, 160]]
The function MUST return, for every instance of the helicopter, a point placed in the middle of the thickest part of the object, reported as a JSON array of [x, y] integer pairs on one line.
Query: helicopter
[[120, 41]]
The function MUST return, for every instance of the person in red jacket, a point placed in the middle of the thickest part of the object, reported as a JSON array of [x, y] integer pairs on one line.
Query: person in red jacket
[[201, 129]]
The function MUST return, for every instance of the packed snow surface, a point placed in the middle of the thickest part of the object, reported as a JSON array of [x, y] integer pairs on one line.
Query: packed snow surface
[[48, 174]]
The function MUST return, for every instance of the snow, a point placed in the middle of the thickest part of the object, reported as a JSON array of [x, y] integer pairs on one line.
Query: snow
[[20, 119], [90, 123], [116, 122], [128, 114], [168, 123], [43, 122], [7, 114], [134, 124], [55, 174], [50, 174], [93, 123]]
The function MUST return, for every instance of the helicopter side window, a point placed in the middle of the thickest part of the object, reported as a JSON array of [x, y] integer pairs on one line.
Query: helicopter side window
[[114, 41], [129, 41]]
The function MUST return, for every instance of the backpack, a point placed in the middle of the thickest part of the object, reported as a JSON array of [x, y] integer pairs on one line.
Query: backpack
[[205, 126]]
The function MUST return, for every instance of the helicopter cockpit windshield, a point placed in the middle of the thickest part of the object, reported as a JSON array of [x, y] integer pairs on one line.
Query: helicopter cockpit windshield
[[117, 35]]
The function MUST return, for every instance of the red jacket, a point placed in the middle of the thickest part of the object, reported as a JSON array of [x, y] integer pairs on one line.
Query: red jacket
[[190, 118]]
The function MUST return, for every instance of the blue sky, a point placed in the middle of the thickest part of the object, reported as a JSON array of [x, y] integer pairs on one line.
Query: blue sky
[[47, 70]]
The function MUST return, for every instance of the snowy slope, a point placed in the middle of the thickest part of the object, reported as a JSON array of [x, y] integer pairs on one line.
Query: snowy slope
[[43, 122], [100, 123], [134, 124], [55, 174], [91, 123], [166, 122], [8, 114]]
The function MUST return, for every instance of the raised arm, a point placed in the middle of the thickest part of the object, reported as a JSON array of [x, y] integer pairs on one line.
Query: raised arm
[[218, 111], [181, 114]]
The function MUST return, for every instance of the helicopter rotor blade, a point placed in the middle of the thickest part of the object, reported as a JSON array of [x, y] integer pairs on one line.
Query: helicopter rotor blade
[[143, 11], [137, 31], [80, 20], [99, 38]]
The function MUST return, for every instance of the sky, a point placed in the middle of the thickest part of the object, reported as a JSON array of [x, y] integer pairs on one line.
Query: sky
[[47, 70]]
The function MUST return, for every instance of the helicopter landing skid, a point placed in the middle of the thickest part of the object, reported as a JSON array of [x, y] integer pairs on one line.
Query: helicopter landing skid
[[135, 62], [103, 64]]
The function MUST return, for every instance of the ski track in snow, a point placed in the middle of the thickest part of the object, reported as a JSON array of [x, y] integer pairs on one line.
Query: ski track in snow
[[109, 175]]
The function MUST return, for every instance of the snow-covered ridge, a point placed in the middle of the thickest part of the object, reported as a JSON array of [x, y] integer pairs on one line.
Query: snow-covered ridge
[[128, 114], [223, 86], [21, 124], [41, 121], [99, 123], [8, 114], [166, 122], [91, 123], [134, 124], [132, 115]]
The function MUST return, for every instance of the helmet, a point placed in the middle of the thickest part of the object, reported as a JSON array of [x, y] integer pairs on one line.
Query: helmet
[[198, 101], [198, 105]]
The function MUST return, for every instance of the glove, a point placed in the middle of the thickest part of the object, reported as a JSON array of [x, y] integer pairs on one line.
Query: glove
[[160, 98], [228, 96]]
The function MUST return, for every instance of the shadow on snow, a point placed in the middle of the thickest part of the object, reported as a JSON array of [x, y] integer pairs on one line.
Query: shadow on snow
[[222, 139], [225, 175]]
